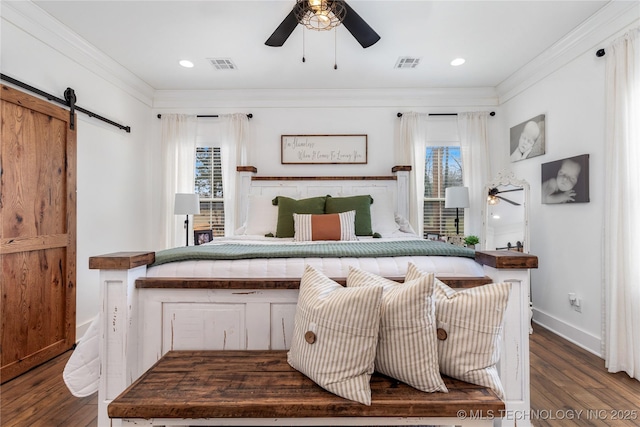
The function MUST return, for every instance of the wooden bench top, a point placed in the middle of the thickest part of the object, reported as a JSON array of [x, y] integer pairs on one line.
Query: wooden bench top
[[260, 383]]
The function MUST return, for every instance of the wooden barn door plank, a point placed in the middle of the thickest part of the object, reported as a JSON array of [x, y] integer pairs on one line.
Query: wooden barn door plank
[[37, 232]]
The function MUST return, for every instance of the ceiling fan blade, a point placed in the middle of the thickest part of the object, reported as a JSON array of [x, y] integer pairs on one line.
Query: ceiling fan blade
[[508, 201], [513, 189], [284, 30], [363, 33]]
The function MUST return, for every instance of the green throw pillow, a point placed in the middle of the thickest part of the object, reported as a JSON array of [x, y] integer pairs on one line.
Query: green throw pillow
[[287, 207], [360, 204]]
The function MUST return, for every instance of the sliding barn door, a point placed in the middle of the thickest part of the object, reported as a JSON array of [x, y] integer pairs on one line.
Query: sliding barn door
[[37, 232]]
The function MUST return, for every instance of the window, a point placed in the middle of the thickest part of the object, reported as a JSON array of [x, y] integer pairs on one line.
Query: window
[[443, 168], [208, 184]]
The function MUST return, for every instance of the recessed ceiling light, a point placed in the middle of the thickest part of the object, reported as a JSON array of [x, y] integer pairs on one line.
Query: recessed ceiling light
[[186, 64], [457, 61]]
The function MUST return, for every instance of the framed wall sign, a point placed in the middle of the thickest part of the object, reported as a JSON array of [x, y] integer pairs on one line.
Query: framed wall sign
[[323, 149]]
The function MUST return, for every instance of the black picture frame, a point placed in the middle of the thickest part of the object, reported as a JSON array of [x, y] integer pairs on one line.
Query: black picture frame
[[202, 236]]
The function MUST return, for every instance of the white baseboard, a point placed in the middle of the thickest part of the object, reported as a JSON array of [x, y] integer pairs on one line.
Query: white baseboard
[[582, 339]]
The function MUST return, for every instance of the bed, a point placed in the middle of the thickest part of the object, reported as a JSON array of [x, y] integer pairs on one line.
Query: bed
[[156, 302]]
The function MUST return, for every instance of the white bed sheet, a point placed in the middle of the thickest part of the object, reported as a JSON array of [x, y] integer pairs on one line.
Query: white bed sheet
[[442, 266]]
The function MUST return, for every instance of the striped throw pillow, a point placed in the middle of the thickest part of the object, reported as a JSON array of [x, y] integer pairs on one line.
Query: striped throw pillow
[[407, 348], [469, 332], [337, 226], [335, 335]]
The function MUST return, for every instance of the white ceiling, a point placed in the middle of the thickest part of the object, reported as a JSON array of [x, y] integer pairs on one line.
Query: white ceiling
[[497, 38]]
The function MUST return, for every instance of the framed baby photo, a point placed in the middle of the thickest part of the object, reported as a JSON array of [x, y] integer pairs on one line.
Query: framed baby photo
[[200, 237], [527, 139], [566, 180]]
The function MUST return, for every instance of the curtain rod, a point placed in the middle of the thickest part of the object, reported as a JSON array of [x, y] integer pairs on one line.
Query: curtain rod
[[250, 116], [493, 113], [600, 53], [68, 101]]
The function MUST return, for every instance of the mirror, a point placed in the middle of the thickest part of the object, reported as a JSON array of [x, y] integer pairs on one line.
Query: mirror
[[506, 214]]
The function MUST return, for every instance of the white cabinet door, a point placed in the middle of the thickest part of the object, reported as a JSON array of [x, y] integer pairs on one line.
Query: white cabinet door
[[203, 326], [282, 321]]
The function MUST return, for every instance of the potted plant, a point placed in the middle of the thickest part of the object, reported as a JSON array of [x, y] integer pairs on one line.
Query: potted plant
[[471, 241]]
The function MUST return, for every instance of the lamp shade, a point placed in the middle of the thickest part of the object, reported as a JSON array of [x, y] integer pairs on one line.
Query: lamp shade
[[456, 197], [186, 204]]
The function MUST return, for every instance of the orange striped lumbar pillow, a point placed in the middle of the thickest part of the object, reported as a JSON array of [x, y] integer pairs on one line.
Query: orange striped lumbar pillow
[[338, 226]]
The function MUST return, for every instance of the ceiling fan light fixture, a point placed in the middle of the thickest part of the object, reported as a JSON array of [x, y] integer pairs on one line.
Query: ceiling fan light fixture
[[320, 15]]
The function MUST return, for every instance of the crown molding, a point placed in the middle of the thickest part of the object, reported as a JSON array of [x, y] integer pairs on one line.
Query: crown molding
[[325, 98], [31, 19], [615, 15]]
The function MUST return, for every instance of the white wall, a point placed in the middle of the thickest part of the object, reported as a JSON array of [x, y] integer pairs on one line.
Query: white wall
[[567, 238], [358, 112], [112, 182], [118, 172]]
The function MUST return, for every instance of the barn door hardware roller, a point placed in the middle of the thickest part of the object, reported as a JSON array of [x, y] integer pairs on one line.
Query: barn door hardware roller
[[70, 97], [68, 101]]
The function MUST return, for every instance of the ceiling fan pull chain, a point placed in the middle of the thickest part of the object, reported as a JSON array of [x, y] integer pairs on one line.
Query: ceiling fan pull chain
[[335, 48], [303, 59]]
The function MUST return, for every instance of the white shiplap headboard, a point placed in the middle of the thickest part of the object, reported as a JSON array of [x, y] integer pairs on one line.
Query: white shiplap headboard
[[303, 187]]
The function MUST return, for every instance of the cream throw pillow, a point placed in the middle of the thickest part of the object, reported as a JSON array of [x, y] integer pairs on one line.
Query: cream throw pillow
[[407, 348], [335, 335], [469, 325]]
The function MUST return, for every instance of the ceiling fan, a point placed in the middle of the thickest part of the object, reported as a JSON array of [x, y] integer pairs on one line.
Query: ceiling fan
[[494, 199], [321, 12]]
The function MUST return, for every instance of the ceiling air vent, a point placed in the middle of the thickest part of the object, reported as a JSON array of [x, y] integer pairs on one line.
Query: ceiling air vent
[[407, 62], [223, 64]]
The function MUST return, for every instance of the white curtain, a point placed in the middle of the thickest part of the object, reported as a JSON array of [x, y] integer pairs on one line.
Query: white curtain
[[621, 251], [474, 150], [412, 151], [235, 150], [178, 160]]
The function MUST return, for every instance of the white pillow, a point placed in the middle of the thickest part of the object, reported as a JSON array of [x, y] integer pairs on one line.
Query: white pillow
[[336, 226], [407, 348], [404, 225], [335, 335], [469, 323], [383, 209], [262, 216]]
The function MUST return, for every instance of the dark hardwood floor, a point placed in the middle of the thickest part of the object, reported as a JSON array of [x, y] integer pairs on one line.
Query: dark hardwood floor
[[567, 381], [40, 398], [569, 387]]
